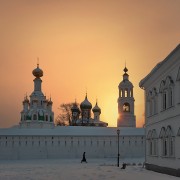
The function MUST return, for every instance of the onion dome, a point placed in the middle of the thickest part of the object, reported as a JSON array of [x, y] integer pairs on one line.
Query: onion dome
[[75, 108], [96, 108], [125, 70], [50, 102], [26, 100], [37, 72], [86, 104]]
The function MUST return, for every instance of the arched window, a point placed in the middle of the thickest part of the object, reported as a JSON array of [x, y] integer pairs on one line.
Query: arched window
[[149, 136], [126, 92], [152, 142], [121, 93], [34, 117], [46, 117], [126, 107], [163, 142], [131, 93], [170, 141], [166, 88], [170, 97], [164, 100]]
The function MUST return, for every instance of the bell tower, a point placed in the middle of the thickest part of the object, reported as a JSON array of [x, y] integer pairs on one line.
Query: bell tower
[[126, 117]]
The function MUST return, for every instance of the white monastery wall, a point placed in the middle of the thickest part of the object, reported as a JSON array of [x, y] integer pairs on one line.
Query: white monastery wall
[[69, 146]]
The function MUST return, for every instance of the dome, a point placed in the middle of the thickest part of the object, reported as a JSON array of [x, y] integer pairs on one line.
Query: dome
[[125, 84], [86, 104], [75, 108], [96, 108], [26, 100], [50, 102], [37, 72]]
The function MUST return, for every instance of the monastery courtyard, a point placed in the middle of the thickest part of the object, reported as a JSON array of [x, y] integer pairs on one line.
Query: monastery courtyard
[[67, 169]]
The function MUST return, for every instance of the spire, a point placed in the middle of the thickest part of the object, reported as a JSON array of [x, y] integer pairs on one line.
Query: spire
[[37, 62], [125, 68], [125, 75], [86, 93]]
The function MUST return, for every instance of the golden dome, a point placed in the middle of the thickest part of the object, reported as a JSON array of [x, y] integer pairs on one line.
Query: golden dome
[[37, 72]]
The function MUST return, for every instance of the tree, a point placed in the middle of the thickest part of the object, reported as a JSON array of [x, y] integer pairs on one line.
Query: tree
[[65, 116]]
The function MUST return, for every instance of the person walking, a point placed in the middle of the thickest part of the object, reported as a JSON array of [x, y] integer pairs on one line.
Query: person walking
[[84, 158]]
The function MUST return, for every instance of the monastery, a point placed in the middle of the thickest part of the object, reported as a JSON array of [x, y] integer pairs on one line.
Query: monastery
[[37, 137]]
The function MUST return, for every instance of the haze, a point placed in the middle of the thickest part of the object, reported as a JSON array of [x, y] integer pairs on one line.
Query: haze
[[82, 45]]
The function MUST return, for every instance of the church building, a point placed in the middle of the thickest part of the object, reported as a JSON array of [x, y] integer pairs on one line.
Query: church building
[[162, 115], [85, 112], [37, 112], [125, 101]]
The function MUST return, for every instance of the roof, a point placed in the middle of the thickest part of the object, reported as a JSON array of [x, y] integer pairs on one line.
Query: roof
[[73, 131], [159, 65]]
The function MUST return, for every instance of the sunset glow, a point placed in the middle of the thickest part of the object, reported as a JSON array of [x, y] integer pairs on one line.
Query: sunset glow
[[82, 45]]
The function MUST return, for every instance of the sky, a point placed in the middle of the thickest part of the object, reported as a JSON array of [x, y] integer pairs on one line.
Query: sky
[[82, 46]]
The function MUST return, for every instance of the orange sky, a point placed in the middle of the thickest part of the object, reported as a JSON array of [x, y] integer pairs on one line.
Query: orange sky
[[82, 44]]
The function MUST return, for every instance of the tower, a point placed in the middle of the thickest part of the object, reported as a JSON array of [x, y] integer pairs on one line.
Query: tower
[[37, 112], [75, 113], [97, 111], [125, 101], [86, 107]]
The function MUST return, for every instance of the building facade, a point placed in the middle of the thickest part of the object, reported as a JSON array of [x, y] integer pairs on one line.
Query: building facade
[[162, 115], [125, 101]]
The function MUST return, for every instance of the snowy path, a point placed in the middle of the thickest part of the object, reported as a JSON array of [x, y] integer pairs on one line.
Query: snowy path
[[66, 169]]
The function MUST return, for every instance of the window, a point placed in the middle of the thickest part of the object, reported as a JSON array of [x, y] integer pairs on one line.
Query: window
[[152, 142], [167, 141], [164, 100], [34, 117], [131, 93], [170, 97], [126, 93], [121, 93], [166, 88], [126, 107]]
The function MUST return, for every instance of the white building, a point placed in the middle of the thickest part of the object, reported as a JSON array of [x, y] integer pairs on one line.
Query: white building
[[36, 136], [162, 115], [37, 113], [126, 103]]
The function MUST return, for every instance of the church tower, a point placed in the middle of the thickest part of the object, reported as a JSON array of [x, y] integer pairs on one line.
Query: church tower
[[37, 112], [126, 117]]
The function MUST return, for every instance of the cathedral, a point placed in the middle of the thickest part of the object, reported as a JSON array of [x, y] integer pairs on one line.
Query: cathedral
[[37, 112], [85, 112]]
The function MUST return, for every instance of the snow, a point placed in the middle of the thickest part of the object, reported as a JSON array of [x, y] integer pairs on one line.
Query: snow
[[68, 169], [74, 130]]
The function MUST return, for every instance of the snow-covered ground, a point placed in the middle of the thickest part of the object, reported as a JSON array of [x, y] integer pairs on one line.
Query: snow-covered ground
[[68, 169]]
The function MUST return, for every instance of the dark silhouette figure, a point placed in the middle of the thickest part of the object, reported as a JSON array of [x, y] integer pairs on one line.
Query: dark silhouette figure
[[84, 158], [123, 166]]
